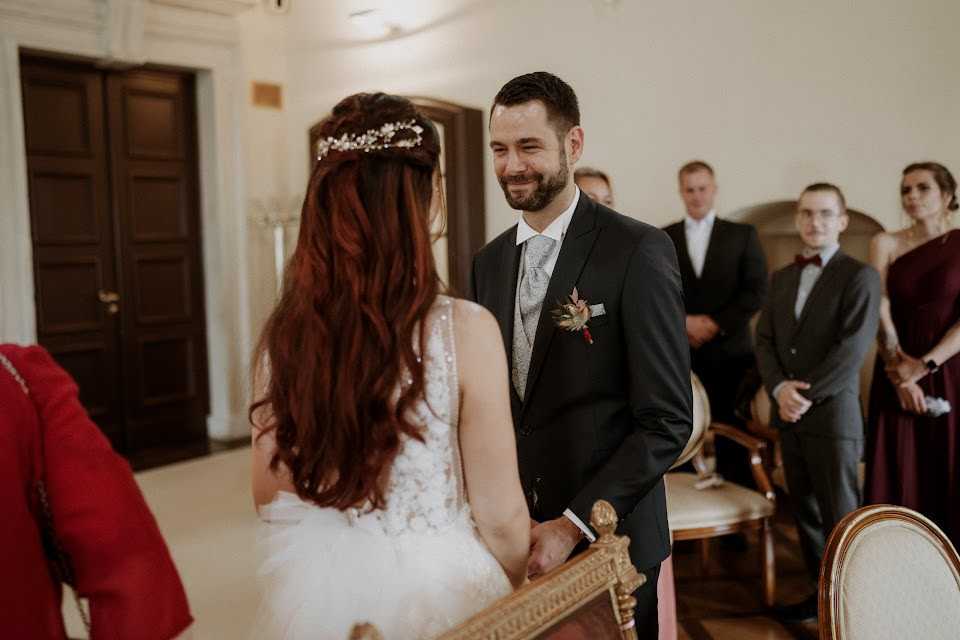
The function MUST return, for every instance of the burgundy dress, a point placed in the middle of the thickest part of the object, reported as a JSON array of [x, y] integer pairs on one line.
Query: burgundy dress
[[912, 460]]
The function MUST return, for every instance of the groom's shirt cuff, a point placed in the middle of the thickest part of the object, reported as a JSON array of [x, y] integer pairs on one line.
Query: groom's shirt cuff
[[570, 515]]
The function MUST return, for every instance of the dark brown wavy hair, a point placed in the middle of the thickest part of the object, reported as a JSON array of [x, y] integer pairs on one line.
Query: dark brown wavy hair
[[337, 355]]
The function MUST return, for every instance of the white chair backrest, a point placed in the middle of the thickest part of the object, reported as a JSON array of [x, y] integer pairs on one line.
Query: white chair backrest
[[888, 572], [701, 421]]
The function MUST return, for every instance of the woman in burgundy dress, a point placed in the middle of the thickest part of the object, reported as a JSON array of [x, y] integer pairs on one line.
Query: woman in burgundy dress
[[913, 458]]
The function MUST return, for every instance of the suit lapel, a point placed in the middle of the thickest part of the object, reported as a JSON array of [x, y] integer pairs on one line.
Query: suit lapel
[[789, 302], [713, 244], [823, 283], [509, 265], [574, 252], [679, 236]]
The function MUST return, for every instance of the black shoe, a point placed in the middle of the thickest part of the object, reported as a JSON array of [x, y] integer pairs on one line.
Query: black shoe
[[803, 611]]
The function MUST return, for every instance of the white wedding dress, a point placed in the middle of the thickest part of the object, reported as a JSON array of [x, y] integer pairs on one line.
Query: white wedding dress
[[414, 569]]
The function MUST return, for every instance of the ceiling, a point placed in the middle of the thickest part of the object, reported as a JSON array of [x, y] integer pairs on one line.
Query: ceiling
[[328, 23]]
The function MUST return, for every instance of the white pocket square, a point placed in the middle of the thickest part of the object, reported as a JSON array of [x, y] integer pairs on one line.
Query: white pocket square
[[597, 310]]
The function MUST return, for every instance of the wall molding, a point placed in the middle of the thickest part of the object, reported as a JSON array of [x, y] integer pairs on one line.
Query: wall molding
[[129, 33]]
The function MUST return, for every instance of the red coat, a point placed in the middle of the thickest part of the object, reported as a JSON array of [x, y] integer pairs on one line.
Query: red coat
[[121, 563]]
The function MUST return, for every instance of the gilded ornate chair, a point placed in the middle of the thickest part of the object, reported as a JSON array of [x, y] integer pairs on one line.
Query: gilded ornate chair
[[698, 512], [587, 597], [888, 572]]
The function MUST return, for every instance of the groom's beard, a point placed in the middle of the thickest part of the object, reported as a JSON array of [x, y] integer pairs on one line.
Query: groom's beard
[[547, 187]]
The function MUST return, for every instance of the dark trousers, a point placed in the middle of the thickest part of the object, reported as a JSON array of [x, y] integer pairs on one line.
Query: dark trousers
[[645, 613], [821, 475], [721, 380]]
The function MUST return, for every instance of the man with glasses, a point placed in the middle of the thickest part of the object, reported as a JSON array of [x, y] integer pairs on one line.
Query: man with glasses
[[814, 332]]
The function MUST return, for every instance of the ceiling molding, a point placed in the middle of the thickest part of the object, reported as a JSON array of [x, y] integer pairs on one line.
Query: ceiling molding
[[175, 23], [80, 14], [221, 7]]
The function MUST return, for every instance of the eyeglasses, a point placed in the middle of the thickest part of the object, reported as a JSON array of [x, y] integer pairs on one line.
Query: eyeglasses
[[826, 216]]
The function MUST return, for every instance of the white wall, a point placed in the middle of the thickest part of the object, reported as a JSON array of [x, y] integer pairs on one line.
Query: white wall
[[267, 174], [774, 94]]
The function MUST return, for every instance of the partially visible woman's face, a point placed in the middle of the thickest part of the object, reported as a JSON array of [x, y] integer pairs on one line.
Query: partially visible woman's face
[[921, 197], [597, 189]]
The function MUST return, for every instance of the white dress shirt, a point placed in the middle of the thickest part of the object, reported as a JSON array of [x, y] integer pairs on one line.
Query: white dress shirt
[[556, 231], [698, 239]]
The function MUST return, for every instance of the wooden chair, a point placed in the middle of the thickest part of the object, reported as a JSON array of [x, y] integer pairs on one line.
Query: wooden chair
[[587, 597], [759, 425], [888, 572], [702, 514]]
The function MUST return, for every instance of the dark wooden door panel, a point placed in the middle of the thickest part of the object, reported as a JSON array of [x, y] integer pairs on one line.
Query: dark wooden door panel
[[158, 203], [153, 109], [73, 242], [155, 204], [163, 287], [62, 111], [111, 160]]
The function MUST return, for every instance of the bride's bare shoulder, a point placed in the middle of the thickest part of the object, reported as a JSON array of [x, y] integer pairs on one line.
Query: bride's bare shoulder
[[471, 316], [476, 333]]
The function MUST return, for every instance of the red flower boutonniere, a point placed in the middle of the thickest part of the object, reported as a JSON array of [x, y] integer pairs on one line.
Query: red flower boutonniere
[[574, 315]]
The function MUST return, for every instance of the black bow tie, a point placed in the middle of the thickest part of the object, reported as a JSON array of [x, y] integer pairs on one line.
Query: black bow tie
[[801, 262]]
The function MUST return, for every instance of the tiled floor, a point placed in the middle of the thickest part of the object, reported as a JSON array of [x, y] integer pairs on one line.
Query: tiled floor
[[725, 603]]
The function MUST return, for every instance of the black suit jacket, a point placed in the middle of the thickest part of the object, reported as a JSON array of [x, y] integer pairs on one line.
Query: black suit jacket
[[602, 420], [826, 346], [731, 288]]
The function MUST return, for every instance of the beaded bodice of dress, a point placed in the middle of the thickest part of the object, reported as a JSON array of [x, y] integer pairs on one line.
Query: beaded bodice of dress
[[425, 492]]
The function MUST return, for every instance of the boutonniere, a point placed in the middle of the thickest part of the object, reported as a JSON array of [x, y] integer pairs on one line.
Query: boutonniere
[[574, 315]]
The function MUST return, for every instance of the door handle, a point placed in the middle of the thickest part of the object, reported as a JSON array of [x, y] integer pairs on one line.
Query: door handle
[[110, 298]]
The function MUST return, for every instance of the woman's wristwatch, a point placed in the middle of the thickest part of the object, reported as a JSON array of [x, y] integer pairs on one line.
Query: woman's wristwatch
[[932, 367]]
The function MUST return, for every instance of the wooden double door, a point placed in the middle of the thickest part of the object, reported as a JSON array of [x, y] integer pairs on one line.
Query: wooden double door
[[118, 275]]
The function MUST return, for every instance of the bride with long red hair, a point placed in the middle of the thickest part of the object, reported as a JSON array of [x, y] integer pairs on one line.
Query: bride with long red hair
[[384, 459]]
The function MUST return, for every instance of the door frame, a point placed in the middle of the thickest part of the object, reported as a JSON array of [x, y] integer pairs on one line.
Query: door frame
[[207, 45]]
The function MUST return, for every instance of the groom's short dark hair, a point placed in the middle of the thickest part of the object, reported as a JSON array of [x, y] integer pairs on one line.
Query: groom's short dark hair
[[557, 96]]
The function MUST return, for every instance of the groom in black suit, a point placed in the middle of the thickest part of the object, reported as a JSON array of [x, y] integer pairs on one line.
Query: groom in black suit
[[601, 412]]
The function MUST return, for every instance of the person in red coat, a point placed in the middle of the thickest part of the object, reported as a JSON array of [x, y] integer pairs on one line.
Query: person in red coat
[[120, 563]]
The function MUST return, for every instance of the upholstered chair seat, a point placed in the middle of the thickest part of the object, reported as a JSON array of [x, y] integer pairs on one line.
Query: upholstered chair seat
[[725, 505], [701, 506]]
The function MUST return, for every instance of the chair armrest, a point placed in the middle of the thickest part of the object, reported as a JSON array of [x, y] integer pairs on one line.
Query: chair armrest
[[755, 446]]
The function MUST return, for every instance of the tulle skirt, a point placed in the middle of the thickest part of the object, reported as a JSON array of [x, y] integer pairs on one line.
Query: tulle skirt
[[324, 571]]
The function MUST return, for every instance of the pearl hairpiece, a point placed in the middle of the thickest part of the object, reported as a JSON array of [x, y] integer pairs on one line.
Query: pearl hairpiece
[[372, 139]]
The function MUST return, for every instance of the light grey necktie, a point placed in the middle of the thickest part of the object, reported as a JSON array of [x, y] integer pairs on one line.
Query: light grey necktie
[[530, 293]]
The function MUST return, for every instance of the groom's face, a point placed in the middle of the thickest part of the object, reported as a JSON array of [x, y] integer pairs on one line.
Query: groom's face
[[529, 155]]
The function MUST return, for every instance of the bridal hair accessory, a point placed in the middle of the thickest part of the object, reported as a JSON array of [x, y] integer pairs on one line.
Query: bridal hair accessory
[[574, 315], [373, 139]]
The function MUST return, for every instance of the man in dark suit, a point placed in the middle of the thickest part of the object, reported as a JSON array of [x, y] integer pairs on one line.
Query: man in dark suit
[[814, 332], [724, 282], [601, 411]]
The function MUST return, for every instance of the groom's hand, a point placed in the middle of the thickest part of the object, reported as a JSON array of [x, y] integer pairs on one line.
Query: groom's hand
[[551, 543]]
